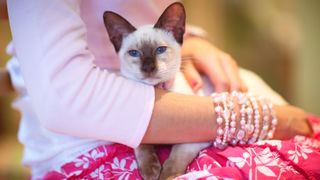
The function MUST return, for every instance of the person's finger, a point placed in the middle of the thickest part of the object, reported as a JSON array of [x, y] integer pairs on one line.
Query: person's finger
[[216, 73], [244, 87], [232, 71], [192, 76]]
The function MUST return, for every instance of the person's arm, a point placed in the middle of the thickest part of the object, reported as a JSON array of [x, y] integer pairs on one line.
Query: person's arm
[[68, 93], [179, 118], [5, 83]]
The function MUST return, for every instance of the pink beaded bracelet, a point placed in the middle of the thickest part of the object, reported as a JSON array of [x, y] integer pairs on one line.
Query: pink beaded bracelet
[[256, 120], [244, 127], [265, 118], [218, 110], [241, 134], [274, 121]]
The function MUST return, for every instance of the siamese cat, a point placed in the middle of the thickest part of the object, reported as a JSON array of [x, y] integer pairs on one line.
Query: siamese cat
[[151, 54]]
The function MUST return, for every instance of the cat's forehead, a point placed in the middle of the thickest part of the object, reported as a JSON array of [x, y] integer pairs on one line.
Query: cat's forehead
[[149, 36]]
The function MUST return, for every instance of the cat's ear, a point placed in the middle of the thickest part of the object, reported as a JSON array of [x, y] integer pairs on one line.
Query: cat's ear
[[173, 20], [117, 28]]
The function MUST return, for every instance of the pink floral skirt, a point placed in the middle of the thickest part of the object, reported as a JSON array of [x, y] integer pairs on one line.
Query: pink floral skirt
[[298, 158]]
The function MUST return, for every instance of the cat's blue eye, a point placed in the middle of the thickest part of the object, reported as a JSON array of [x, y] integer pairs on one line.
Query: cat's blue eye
[[161, 50], [134, 53]]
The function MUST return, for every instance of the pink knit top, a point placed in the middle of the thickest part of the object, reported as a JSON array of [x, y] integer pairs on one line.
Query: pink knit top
[[69, 69]]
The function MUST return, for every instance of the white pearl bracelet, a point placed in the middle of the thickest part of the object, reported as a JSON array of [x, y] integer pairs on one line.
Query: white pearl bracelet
[[243, 127]]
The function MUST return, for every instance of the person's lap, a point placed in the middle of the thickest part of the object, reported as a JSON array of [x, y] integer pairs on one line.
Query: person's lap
[[295, 158]]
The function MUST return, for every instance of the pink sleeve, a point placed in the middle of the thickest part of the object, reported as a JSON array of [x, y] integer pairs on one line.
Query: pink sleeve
[[70, 95]]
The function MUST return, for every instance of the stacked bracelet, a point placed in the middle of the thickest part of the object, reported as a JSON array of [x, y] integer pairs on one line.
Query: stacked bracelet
[[226, 115], [265, 118], [274, 121], [256, 120], [218, 110], [248, 120]]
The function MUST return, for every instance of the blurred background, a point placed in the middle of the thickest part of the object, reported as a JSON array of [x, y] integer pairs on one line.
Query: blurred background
[[279, 40]]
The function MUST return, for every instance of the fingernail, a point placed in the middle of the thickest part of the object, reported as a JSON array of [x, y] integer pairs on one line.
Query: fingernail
[[244, 89], [194, 83], [196, 86]]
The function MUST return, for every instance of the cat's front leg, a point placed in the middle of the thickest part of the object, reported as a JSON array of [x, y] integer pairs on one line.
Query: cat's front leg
[[180, 157], [148, 162]]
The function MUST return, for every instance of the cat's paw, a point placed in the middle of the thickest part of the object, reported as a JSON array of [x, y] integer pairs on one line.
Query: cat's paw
[[164, 177], [170, 170], [150, 171], [148, 162]]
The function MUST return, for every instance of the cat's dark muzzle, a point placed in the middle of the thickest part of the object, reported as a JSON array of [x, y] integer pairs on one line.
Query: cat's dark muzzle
[[149, 66]]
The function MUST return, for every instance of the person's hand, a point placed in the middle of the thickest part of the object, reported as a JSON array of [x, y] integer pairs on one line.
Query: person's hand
[[221, 68], [291, 121]]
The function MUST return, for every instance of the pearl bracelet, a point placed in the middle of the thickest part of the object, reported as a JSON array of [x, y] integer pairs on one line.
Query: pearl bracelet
[[223, 109], [256, 121], [274, 121], [247, 120], [243, 102], [265, 118]]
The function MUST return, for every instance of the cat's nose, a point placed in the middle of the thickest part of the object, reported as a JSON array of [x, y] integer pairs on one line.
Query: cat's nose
[[148, 67]]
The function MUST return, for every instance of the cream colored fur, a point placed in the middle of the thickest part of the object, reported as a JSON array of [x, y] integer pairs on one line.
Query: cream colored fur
[[168, 62]]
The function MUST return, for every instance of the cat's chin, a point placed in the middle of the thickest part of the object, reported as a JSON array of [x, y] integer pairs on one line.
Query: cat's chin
[[165, 85], [161, 86]]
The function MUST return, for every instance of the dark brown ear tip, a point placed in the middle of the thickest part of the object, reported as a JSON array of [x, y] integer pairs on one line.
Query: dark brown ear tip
[[108, 13], [177, 4], [111, 14], [179, 7]]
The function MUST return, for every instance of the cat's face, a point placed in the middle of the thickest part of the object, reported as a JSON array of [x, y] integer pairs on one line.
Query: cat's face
[[149, 54]]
